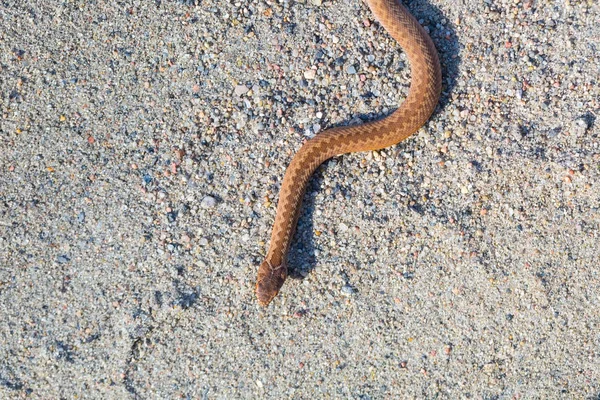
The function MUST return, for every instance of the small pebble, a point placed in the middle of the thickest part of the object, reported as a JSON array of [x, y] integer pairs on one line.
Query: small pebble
[[348, 290], [310, 74], [208, 202], [63, 259], [172, 216], [579, 126], [240, 90]]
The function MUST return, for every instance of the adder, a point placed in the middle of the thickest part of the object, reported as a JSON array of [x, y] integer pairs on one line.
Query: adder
[[416, 109]]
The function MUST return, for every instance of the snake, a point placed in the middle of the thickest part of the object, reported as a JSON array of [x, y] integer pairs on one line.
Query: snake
[[411, 115]]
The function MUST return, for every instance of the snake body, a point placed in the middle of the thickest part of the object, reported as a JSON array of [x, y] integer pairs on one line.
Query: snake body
[[422, 98]]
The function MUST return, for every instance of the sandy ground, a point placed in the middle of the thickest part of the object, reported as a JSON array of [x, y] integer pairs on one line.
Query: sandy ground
[[142, 149]]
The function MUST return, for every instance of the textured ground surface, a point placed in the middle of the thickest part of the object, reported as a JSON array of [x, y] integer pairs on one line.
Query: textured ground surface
[[141, 150]]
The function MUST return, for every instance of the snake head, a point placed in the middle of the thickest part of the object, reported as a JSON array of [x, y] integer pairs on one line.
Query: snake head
[[270, 279]]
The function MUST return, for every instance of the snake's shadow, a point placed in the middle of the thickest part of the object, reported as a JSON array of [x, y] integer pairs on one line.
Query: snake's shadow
[[301, 257]]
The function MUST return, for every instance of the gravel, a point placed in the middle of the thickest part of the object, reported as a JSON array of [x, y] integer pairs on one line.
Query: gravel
[[208, 202], [143, 146]]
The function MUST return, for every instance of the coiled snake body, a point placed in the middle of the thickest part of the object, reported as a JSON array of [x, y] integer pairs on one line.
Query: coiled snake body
[[422, 98]]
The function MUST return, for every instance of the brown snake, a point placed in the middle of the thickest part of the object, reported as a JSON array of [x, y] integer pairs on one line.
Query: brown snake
[[424, 93]]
